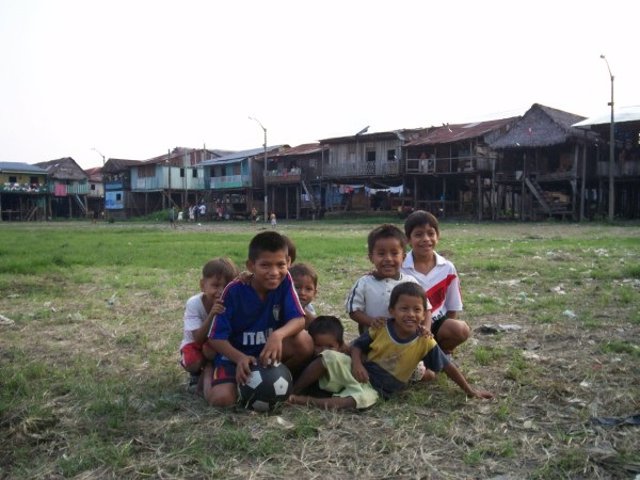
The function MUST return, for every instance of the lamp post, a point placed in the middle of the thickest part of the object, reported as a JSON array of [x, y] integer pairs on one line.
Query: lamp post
[[612, 147], [104, 190], [264, 172]]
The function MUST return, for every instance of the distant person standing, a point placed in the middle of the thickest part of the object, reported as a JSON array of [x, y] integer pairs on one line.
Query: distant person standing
[[274, 221], [202, 209], [254, 215], [172, 217]]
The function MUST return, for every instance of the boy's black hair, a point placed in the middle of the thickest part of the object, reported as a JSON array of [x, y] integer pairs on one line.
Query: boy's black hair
[[301, 270], [266, 242], [220, 267], [291, 247], [407, 288], [385, 231], [327, 324], [420, 218]]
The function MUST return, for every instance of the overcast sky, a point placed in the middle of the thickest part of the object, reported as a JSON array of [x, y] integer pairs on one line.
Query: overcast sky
[[134, 78]]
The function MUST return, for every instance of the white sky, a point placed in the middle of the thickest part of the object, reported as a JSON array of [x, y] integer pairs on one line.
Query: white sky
[[134, 78]]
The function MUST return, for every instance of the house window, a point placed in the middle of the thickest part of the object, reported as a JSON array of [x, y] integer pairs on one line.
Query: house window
[[194, 173], [118, 197], [391, 155], [34, 181], [93, 187], [182, 173], [371, 155], [236, 169], [13, 179], [147, 171]]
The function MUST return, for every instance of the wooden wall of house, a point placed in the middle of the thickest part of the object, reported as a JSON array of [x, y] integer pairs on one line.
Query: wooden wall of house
[[353, 153]]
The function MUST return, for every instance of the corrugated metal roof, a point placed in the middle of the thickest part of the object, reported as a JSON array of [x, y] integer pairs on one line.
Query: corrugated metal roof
[[400, 134], [239, 156], [459, 132], [620, 115], [304, 149], [19, 167]]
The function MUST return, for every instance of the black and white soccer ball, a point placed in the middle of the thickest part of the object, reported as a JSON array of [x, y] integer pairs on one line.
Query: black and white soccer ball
[[266, 387]]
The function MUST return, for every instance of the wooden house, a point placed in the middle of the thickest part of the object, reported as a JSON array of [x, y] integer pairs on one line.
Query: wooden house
[[544, 166], [363, 161], [235, 182], [175, 179], [95, 196], [626, 164], [69, 187], [23, 192], [119, 202], [293, 181], [449, 169]]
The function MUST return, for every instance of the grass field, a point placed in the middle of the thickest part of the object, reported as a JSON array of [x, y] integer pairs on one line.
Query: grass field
[[90, 386]]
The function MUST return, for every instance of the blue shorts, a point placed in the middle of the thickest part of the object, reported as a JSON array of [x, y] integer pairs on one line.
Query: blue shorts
[[223, 372]]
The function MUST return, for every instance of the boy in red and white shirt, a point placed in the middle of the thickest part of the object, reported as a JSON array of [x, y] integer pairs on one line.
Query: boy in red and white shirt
[[438, 277]]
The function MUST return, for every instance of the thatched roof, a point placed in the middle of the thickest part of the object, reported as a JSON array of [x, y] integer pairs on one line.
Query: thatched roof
[[63, 169], [115, 165], [542, 126]]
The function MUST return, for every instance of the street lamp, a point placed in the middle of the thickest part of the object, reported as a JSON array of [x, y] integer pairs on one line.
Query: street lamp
[[612, 146], [98, 152], [264, 172], [104, 190]]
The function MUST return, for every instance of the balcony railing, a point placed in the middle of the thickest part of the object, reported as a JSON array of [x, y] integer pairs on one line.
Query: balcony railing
[[230, 181], [366, 169], [461, 164], [11, 187], [629, 168], [279, 177], [60, 189]]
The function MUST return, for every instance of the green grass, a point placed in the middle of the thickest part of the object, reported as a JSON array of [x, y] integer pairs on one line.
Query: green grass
[[90, 386]]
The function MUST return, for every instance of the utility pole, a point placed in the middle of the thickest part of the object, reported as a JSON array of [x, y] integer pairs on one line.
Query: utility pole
[[264, 172], [612, 148]]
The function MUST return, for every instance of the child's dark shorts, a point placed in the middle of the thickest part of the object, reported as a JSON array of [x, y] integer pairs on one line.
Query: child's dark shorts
[[435, 326], [223, 372]]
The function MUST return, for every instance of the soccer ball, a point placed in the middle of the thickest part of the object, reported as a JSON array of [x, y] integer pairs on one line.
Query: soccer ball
[[266, 387]]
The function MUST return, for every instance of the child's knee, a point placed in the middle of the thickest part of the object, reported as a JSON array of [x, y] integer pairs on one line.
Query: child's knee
[[464, 332], [221, 397], [302, 345]]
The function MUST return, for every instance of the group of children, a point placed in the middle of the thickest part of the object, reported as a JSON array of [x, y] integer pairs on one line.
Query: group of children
[[406, 311]]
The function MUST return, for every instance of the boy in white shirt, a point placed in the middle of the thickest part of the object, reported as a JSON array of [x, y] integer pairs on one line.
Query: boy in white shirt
[[198, 315], [368, 301]]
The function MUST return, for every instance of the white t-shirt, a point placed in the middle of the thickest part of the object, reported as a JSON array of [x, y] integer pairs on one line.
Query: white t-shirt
[[194, 317], [371, 295], [441, 285]]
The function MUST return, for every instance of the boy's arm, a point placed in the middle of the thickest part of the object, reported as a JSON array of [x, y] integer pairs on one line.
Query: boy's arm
[[357, 367], [200, 335], [272, 351], [456, 375], [365, 320], [355, 305], [308, 318]]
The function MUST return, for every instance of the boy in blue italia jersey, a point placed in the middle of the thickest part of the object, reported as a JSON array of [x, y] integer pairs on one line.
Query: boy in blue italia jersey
[[263, 322]]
